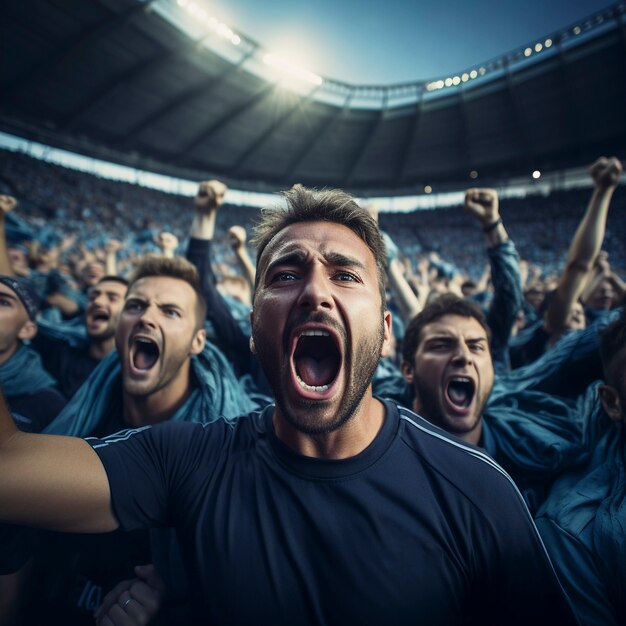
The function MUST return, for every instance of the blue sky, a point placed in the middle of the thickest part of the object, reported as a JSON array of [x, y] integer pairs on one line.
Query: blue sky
[[378, 41]]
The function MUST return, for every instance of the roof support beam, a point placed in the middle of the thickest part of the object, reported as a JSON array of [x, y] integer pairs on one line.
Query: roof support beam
[[204, 88], [368, 137], [411, 139], [129, 75], [71, 49], [206, 133], [300, 105], [314, 136]]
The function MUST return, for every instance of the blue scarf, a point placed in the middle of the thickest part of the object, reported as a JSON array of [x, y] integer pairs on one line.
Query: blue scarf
[[24, 374], [218, 394]]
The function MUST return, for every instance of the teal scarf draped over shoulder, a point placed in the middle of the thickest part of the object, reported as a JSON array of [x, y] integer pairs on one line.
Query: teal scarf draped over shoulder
[[23, 374], [217, 394]]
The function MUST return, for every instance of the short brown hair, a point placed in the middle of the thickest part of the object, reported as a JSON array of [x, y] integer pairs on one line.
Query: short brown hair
[[446, 304], [312, 205], [176, 267]]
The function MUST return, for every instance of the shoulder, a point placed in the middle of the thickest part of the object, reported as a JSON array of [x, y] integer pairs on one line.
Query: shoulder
[[463, 467], [184, 437]]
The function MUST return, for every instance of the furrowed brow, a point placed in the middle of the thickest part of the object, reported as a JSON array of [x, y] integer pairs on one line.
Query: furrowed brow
[[296, 257], [342, 260]]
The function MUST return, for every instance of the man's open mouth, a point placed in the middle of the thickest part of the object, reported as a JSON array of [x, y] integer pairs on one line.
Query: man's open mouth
[[460, 392], [144, 353], [316, 359], [100, 316]]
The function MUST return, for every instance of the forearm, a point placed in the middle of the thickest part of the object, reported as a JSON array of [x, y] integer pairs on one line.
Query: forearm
[[407, 300], [5, 264], [52, 482], [111, 264], [203, 225], [247, 266], [508, 296], [589, 235]]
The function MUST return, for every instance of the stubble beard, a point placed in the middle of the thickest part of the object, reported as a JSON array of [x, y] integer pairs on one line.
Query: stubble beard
[[316, 422], [431, 409]]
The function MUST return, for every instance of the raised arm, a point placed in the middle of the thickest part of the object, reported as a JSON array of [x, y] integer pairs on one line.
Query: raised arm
[[484, 206], [168, 242], [408, 303], [237, 238], [51, 482], [585, 245], [7, 203], [112, 247]]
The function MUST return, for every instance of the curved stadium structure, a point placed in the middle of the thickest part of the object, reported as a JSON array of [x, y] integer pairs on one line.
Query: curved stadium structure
[[157, 86]]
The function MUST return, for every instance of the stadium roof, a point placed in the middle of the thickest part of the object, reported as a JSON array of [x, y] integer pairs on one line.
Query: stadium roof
[[147, 84]]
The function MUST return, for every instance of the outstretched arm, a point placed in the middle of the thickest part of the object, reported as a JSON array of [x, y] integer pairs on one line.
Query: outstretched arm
[[51, 482], [586, 244]]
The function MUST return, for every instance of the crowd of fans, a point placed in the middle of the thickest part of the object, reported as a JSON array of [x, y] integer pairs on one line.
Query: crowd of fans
[[122, 307]]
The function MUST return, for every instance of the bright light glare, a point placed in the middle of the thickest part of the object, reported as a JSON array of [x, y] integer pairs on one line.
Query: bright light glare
[[473, 74], [528, 52], [291, 70], [536, 174], [428, 189], [538, 47], [547, 43]]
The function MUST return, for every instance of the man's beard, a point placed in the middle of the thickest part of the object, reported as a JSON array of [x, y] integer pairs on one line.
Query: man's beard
[[315, 423]]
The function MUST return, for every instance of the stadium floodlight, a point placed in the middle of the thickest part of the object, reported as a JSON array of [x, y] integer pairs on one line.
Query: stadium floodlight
[[576, 30], [473, 74], [547, 43], [528, 52], [448, 82], [456, 80], [536, 174], [290, 70], [538, 47], [482, 71], [428, 189], [473, 174], [465, 77]]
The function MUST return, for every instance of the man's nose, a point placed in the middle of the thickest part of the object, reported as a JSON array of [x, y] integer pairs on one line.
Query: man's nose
[[462, 354], [316, 292], [147, 315]]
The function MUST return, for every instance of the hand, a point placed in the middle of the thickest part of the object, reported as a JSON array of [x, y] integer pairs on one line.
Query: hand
[[168, 242], [237, 237], [372, 209], [7, 204], [112, 246], [210, 196], [483, 204], [606, 172], [134, 601]]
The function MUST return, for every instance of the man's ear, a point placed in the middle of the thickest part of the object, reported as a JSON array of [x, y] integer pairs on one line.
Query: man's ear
[[252, 347], [407, 371], [611, 402], [198, 341], [28, 331], [387, 335]]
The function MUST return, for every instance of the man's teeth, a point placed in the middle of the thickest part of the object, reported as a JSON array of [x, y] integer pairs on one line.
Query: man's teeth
[[314, 333], [311, 387], [461, 379]]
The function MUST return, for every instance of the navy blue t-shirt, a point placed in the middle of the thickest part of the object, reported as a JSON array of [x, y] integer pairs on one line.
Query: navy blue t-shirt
[[418, 528]]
